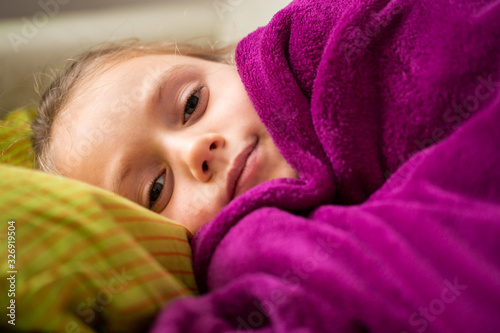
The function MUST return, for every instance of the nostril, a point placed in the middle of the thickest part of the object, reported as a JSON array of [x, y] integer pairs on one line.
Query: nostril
[[213, 146], [204, 166]]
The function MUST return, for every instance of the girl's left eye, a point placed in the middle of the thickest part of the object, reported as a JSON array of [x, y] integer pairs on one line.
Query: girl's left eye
[[192, 103], [155, 190]]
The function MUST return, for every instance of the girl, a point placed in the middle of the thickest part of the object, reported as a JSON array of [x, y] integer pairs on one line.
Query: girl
[[176, 134], [305, 233]]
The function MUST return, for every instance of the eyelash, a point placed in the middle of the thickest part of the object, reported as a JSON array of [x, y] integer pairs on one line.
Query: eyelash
[[196, 91], [152, 184]]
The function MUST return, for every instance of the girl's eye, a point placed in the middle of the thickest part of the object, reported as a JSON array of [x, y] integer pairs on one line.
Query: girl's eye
[[155, 189], [192, 103]]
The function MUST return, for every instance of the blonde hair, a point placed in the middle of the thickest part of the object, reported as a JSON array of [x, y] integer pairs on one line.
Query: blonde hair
[[84, 66]]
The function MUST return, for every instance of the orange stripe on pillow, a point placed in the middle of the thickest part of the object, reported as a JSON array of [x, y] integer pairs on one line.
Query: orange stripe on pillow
[[147, 238], [131, 219], [181, 272], [160, 254]]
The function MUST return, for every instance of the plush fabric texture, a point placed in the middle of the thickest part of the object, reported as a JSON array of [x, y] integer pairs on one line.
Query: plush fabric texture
[[83, 259], [15, 138], [355, 92]]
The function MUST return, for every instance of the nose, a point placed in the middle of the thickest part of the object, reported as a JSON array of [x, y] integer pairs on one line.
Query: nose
[[200, 155]]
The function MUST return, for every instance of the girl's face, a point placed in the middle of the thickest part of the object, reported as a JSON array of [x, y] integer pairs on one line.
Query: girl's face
[[175, 134]]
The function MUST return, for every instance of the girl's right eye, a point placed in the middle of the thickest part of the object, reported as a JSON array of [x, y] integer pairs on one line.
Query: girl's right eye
[[156, 189], [192, 104]]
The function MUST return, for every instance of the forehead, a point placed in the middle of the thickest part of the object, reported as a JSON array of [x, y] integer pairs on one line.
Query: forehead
[[138, 73]]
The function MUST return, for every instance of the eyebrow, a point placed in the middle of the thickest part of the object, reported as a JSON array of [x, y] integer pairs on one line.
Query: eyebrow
[[168, 75], [153, 102]]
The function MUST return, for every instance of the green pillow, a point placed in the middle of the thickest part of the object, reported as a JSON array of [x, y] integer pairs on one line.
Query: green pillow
[[81, 259]]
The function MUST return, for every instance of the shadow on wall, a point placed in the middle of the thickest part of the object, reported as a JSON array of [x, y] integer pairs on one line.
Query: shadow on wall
[[37, 36]]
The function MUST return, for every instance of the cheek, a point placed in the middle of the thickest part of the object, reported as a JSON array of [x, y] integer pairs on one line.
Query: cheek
[[230, 92], [192, 208], [246, 116]]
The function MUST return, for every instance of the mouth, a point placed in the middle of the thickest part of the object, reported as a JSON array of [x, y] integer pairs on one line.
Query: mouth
[[242, 171]]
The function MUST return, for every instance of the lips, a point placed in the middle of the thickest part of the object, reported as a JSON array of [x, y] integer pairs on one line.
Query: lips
[[237, 168]]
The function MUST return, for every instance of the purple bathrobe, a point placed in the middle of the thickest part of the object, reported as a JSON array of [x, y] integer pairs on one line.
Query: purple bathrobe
[[390, 113]]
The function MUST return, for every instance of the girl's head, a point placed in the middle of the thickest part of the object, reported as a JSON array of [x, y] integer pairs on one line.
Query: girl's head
[[173, 133]]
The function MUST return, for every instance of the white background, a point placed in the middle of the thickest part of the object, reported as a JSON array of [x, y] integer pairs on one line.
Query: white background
[[36, 36]]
